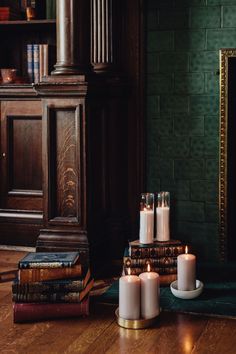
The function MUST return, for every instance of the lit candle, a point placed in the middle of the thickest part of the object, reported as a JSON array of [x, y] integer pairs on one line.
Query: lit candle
[[129, 297], [146, 218], [163, 217], [150, 294], [186, 271]]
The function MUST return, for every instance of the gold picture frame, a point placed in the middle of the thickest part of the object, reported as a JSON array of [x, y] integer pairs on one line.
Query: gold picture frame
[[225, 54]]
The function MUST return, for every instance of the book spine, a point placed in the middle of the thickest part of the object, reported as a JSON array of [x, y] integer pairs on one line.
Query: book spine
[[166, 280], [30, 62], [154, 252], [36, 275], [45, 60], [41, 59], [36, 62], [139, 270], [50, 9], [48, 287], [143, 262], [47, 297], [26, 265], [30, 312]]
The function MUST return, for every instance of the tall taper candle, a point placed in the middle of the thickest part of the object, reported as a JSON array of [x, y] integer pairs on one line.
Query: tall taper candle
[[129, 297], [186, 271]]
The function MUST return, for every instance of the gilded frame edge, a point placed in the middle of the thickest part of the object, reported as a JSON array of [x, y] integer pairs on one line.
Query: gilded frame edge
[[225, 54]]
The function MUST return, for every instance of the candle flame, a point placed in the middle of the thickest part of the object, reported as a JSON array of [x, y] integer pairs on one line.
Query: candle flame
[[148, 267], [186, 249], [129, 271]]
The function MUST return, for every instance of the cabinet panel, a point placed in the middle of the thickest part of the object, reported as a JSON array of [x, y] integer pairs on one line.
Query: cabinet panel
[[21, 152]]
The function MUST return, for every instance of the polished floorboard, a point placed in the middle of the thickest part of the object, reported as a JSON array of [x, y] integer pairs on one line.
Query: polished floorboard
[[99, 333]]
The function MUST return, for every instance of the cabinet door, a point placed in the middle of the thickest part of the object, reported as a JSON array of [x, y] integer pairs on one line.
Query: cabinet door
[[21, 159]]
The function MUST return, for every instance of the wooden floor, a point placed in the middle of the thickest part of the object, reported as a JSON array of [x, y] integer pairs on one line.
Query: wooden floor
[[99, 333]]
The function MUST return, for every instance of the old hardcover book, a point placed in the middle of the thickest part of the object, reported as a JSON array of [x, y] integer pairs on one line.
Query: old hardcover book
[[52, 286], [155, 243], [69, 297], [36, 274], [31, 312], [159, 270], [167, 279], [49, 260], [156, 252], [154, 262]]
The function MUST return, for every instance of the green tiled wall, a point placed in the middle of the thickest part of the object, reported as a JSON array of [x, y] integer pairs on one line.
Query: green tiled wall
[[183, 42]]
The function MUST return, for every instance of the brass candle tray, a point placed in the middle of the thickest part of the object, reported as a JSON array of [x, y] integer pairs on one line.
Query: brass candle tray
[[135, 324]]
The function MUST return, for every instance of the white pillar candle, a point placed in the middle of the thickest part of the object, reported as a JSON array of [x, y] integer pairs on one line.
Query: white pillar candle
[[186, 271], [150, 294], [146, 226], [129, 297], [162, 223]]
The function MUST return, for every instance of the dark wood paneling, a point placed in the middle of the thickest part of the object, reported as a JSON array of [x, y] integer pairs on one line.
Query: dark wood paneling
[[24, 144], [64, 154], [21, 150]]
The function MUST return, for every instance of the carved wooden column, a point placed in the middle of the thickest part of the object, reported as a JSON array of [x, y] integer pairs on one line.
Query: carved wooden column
[[102, 35], [73, 37]]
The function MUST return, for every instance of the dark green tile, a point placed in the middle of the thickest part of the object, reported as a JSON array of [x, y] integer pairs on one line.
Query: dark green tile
[[173, 18], [159, 84], [174, 104], [160, 168], [212, 125], [153, 184], [221, 38], [212, 83], [190, 211], [188, 125], [159, 40], [174, 61], [212, 169], [164, 126], [153, 106], [152, 63], [204, 104], [190, 40], [205, 17], [220, 2], [204, 147], [202, 190], [190, 2], [175, 147], [189, 168], [192, 83], [212, 212], [229, 18], [201, 61], [179, 189]]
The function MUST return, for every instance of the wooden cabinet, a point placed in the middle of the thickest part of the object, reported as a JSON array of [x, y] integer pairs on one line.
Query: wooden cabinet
[[72, 153]]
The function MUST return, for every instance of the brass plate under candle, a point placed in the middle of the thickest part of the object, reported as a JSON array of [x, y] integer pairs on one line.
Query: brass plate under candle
[[135, 324]]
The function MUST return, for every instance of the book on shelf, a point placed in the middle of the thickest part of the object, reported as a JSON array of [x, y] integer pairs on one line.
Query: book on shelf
[[37, 61], [52, 297], [50, 9], [31, 312], [49, 260]]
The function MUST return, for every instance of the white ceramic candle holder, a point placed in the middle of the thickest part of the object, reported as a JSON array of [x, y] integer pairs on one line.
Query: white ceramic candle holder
[[186, 294]]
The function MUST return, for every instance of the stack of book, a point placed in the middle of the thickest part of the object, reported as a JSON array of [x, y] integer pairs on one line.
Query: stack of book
[[161, 256], [7, 13], [51, 285], [37, 62]]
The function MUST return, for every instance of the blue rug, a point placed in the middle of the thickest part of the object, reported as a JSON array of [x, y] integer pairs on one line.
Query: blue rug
[[217, 299]]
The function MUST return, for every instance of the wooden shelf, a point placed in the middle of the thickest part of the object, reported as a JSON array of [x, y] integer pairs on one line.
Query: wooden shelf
[[27, 23]]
